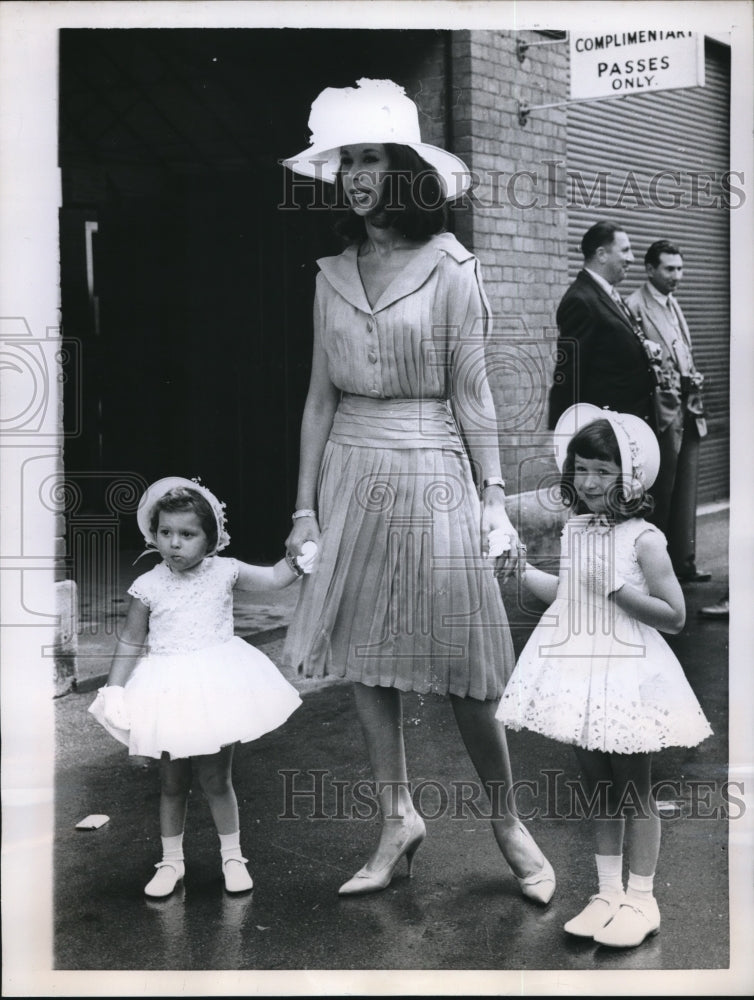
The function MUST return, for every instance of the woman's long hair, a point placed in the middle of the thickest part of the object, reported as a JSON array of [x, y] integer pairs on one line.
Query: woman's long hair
[[412, 202]]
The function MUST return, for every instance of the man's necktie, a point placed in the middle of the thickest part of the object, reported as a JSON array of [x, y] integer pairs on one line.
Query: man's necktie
[[652, 350], [617, 298], [681, 345]]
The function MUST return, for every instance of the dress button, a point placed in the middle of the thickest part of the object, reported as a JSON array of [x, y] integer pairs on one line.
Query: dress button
[[372, 357], [370, 326]]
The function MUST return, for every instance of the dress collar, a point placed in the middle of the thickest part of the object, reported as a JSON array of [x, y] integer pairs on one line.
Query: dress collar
[[342, 272], [588, 522], [188, 574]]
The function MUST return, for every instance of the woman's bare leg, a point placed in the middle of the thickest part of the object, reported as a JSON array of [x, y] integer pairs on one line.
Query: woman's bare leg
[[485, 740], [380, 713]]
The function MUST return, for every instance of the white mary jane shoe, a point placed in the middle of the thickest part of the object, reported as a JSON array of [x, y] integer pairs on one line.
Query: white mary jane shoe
[[598, 912], [236, 875], [169, 874], [632, 923]]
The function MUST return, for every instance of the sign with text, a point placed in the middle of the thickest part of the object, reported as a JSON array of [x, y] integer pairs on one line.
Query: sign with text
[[635, 62]]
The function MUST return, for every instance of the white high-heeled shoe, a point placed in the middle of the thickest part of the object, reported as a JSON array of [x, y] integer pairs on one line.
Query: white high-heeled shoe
[[366, 880], [540, 884]]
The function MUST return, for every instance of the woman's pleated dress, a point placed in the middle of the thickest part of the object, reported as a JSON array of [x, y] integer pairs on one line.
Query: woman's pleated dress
[[401, 595]]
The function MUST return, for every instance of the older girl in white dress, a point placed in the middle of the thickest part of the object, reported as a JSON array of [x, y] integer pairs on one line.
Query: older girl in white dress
[[595, 672]]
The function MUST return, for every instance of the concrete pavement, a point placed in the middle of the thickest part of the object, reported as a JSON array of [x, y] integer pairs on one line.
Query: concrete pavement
[[461, 910]]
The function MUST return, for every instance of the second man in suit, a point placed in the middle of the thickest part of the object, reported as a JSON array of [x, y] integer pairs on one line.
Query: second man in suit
[[679, 408]]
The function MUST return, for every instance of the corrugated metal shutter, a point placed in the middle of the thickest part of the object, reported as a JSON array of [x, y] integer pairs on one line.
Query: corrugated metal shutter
[[630, 141]]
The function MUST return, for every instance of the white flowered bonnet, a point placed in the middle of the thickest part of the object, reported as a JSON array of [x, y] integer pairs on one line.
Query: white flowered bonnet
[[162, 487], [639, 450]]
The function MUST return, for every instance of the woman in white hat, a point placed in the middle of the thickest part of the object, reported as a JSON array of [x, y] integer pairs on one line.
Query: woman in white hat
[[404, 596]]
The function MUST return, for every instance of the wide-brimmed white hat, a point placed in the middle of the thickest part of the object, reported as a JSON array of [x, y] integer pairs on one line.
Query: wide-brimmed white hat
[[158, 490], [639, 450], [373, 111]]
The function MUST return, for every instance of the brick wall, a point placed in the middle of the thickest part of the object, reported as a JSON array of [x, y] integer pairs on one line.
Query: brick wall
[[426, 87], [514, 225]]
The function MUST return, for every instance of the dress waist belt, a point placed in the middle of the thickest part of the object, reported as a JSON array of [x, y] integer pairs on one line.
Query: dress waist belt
[[395, 423]]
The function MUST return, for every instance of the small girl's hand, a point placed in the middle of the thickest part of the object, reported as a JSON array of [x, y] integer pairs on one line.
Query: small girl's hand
[[115, 711], [302, 565], [308, 556], [601, 577]]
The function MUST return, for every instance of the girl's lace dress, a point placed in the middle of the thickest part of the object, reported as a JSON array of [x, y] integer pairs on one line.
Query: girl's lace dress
[[199, 687], [590, 674]]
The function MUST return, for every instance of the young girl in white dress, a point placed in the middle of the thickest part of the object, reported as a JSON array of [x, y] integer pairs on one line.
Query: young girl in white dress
[[595, 672], [182, 688]]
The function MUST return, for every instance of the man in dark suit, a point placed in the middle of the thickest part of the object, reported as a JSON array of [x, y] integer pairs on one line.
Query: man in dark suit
[[679, 408], [603, 357]]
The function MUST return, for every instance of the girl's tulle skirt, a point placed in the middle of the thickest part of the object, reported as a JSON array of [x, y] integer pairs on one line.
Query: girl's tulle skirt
[[189, 704]]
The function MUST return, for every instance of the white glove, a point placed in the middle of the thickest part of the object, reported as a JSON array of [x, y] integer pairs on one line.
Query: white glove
[[499, 542], [600, 575], [308, 556], [115, 712]]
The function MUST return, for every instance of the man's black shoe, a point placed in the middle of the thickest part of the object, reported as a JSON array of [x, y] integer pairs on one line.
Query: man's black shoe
[[698, 576]]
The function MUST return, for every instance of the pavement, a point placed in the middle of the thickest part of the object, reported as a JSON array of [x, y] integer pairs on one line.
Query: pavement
[[305, 831]]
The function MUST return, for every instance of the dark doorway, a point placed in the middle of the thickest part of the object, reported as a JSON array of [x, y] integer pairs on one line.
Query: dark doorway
[[187, 285]]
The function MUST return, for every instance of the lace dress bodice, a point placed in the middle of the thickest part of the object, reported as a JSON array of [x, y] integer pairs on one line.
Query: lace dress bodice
[[188, 611], [586, 536]]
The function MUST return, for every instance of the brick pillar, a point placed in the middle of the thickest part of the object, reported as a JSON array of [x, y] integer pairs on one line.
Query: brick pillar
[[516, 223]]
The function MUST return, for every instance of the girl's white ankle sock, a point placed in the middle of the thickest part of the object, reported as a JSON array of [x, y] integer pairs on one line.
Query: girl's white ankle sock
[[230, 845], [610, 872], [172, 848], [640, 886]]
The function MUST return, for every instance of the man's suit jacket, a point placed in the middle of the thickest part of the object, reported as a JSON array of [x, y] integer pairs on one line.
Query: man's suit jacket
[[658, 326], [600, 357]]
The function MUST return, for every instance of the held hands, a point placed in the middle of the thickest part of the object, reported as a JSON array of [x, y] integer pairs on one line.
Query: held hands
[[302, 544], [308, 555], [500, 541], [304, 563], [305, 529], [115, 711]]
